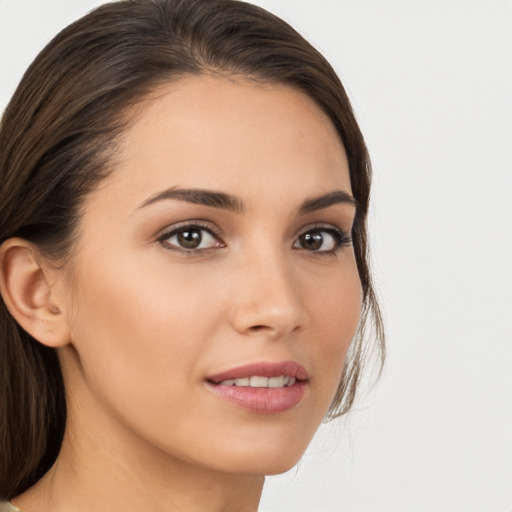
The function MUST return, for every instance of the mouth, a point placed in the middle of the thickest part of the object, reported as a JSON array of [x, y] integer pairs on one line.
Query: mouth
[[258, 381], [263, 388]]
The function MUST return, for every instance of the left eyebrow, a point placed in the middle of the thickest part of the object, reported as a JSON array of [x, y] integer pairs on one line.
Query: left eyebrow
[[330, 199]]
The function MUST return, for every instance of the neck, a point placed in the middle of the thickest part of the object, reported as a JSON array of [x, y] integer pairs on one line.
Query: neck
[[117, 482], [104, 466]]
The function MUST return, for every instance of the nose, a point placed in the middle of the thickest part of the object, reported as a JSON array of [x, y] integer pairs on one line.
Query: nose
[[267, 301]]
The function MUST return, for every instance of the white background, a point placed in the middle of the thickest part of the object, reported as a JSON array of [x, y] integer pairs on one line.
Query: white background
[[431, 83]]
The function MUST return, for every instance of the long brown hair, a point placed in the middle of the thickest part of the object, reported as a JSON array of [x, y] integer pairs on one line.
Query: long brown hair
[[57, 138]]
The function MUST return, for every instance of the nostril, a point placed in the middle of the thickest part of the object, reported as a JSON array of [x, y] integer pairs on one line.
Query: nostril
[[258, 328]]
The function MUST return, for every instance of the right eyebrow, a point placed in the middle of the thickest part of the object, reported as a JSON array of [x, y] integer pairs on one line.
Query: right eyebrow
[[198, 196]]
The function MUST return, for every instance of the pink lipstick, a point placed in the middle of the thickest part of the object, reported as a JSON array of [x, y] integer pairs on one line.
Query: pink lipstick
[[263, 387]]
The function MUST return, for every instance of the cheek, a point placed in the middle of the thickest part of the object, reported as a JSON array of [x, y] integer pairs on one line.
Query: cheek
[[336, 315], [140, 333]]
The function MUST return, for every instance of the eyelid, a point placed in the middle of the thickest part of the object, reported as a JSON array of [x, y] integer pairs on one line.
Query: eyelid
[[324, 226], [344, 238], [173, 229]]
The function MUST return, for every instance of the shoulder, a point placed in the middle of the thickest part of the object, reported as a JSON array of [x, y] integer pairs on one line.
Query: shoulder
[[5, 506]]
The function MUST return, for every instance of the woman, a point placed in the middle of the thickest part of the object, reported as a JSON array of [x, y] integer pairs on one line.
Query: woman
[[183, 259]]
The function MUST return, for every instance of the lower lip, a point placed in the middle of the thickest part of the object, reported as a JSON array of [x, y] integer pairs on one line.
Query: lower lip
[[261, 400]]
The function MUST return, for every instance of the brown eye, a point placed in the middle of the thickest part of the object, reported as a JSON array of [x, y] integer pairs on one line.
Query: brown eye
[[312, 241], [321, 240], [190, 238]]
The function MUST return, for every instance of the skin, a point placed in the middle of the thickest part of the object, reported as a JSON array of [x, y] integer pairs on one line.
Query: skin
[[147, 322]]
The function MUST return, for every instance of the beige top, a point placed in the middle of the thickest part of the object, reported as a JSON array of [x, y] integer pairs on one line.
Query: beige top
[[5, 506]]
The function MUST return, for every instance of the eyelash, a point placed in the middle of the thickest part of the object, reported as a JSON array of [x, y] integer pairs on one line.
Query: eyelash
[[340, 238], [190, 226]]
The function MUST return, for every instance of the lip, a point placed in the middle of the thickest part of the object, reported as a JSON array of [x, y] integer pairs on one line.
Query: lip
[[263, 369], [262, 400]]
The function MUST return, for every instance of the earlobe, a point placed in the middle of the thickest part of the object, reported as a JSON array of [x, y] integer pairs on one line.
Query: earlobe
[[29, 294]]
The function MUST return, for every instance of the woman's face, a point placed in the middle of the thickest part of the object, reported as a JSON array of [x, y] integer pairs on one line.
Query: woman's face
[[218, 250]]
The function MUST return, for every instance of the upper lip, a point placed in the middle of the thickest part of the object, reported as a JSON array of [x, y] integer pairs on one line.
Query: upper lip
[[263, 369]]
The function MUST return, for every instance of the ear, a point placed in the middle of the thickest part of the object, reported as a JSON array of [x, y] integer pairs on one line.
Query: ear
[[29, 292]]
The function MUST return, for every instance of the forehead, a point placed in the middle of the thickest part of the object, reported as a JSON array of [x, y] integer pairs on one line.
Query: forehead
[[232, 135]]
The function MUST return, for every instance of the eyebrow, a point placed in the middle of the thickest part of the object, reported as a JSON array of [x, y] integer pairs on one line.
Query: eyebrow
[[330, 199], [199, 196], [231, 203]]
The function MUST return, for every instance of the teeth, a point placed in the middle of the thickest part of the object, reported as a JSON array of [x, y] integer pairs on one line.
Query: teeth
[[276, 382], [261, 382]]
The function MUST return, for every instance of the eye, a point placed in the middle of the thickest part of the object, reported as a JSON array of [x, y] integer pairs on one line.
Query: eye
[[322, 239], [191, 237]]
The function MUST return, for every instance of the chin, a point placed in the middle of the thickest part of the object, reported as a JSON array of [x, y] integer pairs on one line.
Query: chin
[[263, 467], [264, 458]]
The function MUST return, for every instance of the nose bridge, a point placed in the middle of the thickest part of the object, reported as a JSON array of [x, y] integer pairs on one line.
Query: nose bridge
[[268, 299]]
